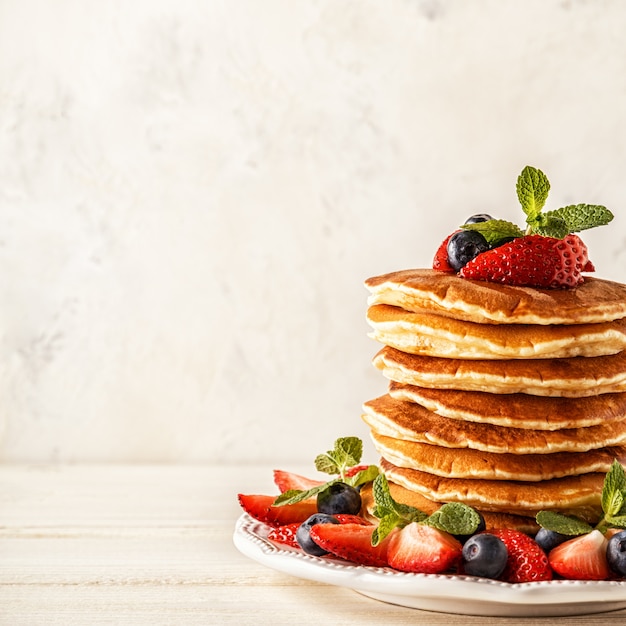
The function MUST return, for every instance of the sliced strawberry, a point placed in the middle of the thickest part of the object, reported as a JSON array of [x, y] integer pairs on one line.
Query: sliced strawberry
[[527, 562], [352, 542], [345, 518], [285, 534], [423, 549], [582, 558], [532, 260], [260, 508], [440, 262], [353, 471], [288, 480]]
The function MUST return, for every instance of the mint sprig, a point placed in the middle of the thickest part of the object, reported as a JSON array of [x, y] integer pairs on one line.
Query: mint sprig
[[346, 453], [532, 189], [454, 517], [613, 502]]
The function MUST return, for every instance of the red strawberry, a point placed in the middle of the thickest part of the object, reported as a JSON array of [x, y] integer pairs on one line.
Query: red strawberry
[[353, 471], [534, 261], [285, 534], [440, 262], [582, 558], [345, 518], [352, 542], [260, 508], [423, 549], [527, 562], [288, 480]]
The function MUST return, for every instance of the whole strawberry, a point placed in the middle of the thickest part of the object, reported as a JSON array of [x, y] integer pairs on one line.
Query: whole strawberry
[[532, 261], [526, 562]]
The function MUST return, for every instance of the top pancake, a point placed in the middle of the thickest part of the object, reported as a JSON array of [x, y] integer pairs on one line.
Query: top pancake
[[419, 290]]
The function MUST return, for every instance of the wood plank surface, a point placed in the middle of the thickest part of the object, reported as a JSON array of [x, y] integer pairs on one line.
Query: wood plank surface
[[102, 544]]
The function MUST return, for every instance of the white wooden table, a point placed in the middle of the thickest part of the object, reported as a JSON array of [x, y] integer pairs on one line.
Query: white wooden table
[[102, 544]]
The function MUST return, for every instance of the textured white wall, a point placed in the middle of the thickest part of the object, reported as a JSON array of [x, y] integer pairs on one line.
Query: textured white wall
[[192, 193]]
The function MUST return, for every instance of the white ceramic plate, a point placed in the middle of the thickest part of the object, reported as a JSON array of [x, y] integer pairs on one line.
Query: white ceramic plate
[[448, 594]]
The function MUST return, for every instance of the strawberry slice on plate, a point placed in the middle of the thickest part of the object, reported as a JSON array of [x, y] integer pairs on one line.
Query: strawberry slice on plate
[[352, 542], [423, 549], [285, 534], [261, 508], [286, 481], [526, 562], [581, 558]]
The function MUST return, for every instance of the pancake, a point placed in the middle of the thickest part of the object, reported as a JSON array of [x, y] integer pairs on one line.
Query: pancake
[[572, 495], [412, 498], [419, 290], [476, 464], [517, 410], [574, 377], [408, 421], [435, 335]]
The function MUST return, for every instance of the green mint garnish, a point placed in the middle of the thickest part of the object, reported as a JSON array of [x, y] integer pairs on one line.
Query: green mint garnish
[[454, 518], [346, 453], [613, 502], [532, 192]]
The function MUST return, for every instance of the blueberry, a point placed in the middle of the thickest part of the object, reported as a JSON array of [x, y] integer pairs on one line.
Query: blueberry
[[485, 555], [339, 498], [616, 553], [480, 529], [548, 539], [303, 534], [479, 217], [464, 246]]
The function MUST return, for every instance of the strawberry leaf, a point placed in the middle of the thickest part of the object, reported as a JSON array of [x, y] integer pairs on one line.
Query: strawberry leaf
[[532, 191]]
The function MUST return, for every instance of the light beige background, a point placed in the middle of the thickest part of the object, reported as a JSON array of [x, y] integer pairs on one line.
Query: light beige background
[[192, 193]]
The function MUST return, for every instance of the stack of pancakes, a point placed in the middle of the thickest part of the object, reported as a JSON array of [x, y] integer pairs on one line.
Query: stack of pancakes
[[509, 399]]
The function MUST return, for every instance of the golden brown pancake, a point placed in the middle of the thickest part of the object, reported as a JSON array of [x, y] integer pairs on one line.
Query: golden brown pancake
[[412, 498], [468, 463], [575, 495], [575, 377], [517, 410], [418, 290], [430, 334], [408, 421]]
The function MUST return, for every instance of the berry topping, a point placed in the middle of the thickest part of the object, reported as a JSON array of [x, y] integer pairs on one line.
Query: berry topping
[[479, 217], [616, 553], [548, 539], [440, 262], [533, 261], [261, 508], [464, 246], [582, 558], [303, 534], [339, 498], [287, 481], [352, 542], [423, 549], [485, 555], [285, 534], [526, 562]]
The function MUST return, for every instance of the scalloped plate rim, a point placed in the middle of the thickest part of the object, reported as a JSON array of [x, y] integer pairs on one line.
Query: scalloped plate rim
[[445, 593]]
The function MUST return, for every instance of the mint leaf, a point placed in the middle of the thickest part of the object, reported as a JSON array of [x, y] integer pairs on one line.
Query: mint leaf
[[582, 216], [391, 514], [618, 521], [455, 518], [495, 230], [563, 524], [550, 226], [364, 476], [326, 464], [293, 496], [613, 490], [346, 453], [532, 191]]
